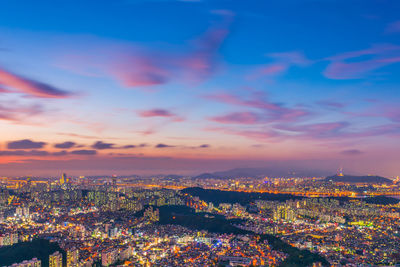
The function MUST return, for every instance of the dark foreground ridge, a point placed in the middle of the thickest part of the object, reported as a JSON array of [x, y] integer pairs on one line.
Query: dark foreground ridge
[[38, 248], [187, 217], [245, 198]]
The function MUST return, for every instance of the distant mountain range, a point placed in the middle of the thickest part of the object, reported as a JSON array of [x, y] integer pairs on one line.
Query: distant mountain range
[[208, 176], [269, 172], [259, 173], [359, 179]]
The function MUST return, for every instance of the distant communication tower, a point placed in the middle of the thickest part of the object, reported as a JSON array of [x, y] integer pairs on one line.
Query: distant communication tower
[[340, 172]]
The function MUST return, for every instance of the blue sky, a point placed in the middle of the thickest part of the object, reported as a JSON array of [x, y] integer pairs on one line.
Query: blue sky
[[245, 83]]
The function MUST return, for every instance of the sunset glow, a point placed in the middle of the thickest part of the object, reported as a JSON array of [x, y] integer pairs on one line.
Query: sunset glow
[[167, 86]]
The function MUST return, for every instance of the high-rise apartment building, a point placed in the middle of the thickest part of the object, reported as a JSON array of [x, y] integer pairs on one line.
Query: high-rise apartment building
[[55, 259]]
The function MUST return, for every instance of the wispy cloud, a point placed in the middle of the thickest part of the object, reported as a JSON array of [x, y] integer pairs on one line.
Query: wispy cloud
[[258, 100], [238, 118], [331, 104], [352, 152], [163, 146], [262, 135], [359, 64], [83, 136], [316, 130], [133, 65], [29, 86], [17, 113], [163, 113], [271, 70], [154, 68], [140, 70], [393, 27], [281, 64]]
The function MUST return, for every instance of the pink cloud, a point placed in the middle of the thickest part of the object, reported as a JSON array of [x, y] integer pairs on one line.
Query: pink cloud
[[202, 61], [391, 113], [352, 152], [258, 135], [373, 50], [373, 131], [379, 110], [16, 113], [4, 90], [258, 100], [147, 132], [329, 132], [277, 122], [282, 62], [352, 65], [238, 118], [342, 70], [316, 130], [136, 71], [254, 102], [341, 131], [138, 66], [196, 63], [29, 86], [156, 113], [268, 70], [273, 69], [322, 129], [159, 113]]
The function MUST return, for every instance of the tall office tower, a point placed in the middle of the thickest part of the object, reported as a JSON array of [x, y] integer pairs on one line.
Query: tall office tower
[[55, 259], [63, 179], [72, 257]]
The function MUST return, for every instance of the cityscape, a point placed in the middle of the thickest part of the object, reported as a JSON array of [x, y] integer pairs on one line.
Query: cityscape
[[199, 133], [200, 221]]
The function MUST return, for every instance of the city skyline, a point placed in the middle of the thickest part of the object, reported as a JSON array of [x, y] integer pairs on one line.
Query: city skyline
[[169, 86]]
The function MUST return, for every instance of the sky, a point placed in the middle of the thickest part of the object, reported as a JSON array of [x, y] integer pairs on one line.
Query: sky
[[190, 86]]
